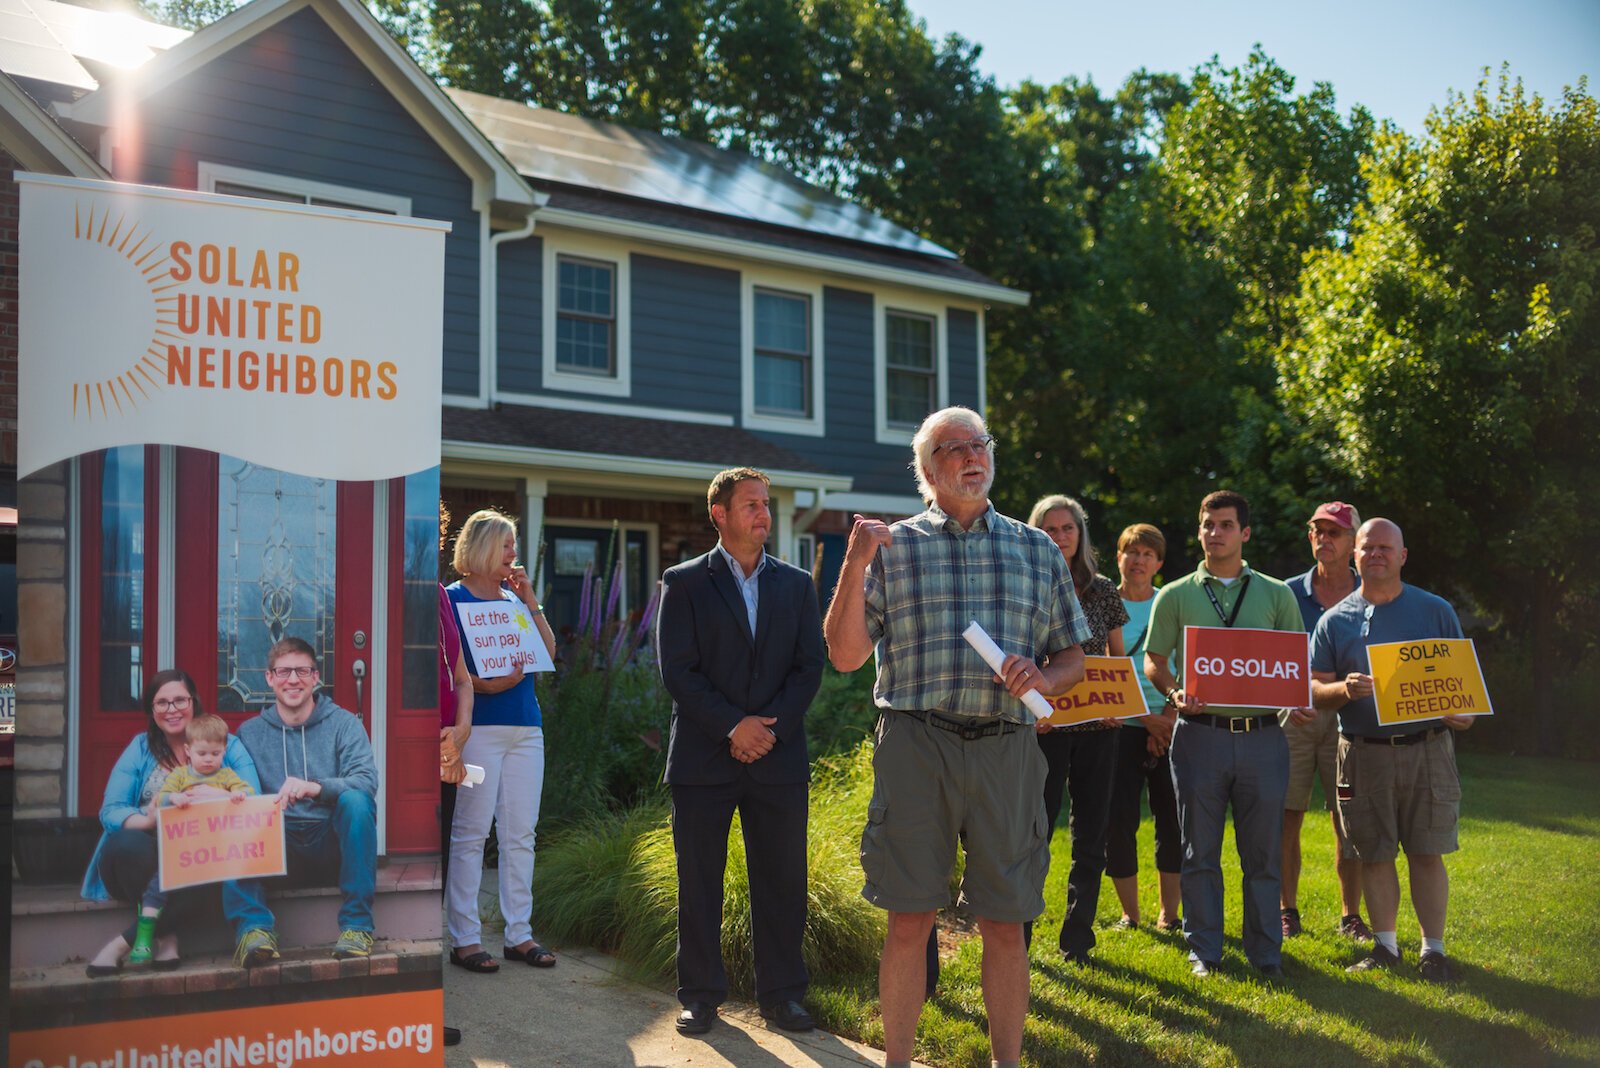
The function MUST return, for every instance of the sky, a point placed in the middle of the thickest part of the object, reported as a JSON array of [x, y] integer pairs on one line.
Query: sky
[[1397, 57]]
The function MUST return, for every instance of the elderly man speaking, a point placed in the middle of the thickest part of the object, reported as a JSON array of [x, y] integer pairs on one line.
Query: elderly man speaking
[[954, 757]]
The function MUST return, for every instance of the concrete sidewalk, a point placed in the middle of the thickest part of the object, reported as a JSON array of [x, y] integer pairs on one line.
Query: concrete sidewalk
[[580, 1014]]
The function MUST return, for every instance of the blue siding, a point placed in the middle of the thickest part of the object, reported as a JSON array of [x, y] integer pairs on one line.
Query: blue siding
[[521, 305], [685, 335], [294, 101], [850, 446], [963, 353]]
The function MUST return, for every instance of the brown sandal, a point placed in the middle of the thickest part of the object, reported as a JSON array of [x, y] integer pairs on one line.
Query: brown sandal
[[535, 955], [480, 962]]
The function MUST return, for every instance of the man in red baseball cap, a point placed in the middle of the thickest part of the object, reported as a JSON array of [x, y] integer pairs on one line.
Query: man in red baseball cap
[[1314, 748]]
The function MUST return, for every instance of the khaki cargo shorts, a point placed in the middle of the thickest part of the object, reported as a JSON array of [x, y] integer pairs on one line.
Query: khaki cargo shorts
[[1313, 754], [1394, 796], [929, 788]]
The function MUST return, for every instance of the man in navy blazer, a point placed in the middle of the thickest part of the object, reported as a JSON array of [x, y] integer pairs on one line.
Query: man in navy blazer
[[739, 642]]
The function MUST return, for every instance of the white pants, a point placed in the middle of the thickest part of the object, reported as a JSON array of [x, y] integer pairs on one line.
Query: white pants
[[512, 759]]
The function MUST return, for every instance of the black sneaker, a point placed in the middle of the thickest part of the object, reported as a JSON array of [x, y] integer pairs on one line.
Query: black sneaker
[[1291, 922], [1435, 967], [1380, 957]]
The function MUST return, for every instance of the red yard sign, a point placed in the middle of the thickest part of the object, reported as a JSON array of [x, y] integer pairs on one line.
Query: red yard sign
[[1241, 667]]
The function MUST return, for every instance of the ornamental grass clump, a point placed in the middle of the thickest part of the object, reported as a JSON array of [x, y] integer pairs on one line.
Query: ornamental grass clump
[[611, 881]]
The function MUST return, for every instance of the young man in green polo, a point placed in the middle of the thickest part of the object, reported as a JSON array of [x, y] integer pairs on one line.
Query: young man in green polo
[[1239, 760]]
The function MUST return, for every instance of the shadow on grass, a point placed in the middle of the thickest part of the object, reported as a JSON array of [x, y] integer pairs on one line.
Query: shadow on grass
[[1277, 1020]]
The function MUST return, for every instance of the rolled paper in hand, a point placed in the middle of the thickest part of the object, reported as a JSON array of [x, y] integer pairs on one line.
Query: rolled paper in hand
[[474, 776], [994, 656]]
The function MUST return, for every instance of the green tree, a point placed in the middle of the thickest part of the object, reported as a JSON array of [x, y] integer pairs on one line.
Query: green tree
[[1162, 387], [1450, 357]]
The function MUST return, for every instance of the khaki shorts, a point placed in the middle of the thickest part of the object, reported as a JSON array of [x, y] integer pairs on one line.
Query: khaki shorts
[[1313, 753], [929, 787], [1394, 796]]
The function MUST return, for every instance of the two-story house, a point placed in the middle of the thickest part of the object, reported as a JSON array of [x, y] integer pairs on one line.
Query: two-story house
[[625, 314]]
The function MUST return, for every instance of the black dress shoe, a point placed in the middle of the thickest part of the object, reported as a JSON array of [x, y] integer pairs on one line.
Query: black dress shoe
[[1203, 969], [696, 1017], [789, 1015], [452, 1036], [1271, 971]]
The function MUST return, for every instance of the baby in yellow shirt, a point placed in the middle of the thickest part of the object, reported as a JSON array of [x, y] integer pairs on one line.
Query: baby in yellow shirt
[[207, 738]]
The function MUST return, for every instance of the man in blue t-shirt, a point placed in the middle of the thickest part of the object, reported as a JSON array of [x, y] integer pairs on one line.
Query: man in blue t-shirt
[[1314, 748], [1397, 784]]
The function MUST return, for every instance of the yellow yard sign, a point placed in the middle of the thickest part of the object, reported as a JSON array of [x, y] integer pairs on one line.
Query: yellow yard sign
[[1427, 679], [1109, 690]]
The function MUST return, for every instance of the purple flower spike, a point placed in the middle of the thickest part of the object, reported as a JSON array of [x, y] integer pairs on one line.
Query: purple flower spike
[[616, 591]]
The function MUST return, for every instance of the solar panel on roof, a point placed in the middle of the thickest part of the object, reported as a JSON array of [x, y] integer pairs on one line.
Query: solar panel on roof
[[557, 147]]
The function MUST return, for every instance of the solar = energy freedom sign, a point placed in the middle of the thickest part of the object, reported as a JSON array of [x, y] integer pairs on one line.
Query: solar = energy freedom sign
[[1426, 680]]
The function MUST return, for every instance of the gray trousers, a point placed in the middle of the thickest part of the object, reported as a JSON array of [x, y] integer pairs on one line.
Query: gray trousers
[[1212, 769]]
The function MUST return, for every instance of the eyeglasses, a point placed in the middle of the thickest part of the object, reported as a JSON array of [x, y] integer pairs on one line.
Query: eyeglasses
[[176, 704], [293, 672], [1366, 619], [970, 447]]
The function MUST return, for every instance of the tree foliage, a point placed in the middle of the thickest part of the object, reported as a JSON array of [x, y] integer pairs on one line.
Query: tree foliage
[[1450, 357]]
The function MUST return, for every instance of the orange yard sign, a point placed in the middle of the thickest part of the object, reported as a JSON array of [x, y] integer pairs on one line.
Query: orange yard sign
[[385, 1029], [211, 841], [1427, 679], [1109, 690], [1242, 667]]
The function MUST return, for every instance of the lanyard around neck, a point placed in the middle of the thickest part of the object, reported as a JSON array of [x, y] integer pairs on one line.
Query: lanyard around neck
[[1227, 620]]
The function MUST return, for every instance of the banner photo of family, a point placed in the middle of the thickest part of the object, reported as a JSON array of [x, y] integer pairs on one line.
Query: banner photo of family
[[229, 448]]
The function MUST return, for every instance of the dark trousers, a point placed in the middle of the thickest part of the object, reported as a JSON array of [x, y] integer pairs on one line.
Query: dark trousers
[[1081, 763], [128, 868], [447, 817], [1135, 773], [773, 818]]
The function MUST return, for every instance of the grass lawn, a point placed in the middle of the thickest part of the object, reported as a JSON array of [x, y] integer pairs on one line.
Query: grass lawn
[[1524, 930]]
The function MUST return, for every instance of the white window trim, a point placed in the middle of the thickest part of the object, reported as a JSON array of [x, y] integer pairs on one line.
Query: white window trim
[[212, 173], [913, 304], [815, 424], [585, 247]]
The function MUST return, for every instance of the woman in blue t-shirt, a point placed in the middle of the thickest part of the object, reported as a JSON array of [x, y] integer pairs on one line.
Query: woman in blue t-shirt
[[508, 743]]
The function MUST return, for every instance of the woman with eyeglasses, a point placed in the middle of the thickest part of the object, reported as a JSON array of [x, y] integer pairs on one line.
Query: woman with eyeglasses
[[1081, 757], [125, 859], [507, 742]]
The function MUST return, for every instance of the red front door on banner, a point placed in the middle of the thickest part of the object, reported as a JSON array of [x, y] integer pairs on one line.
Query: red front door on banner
[[1240, 667], [257, 553]]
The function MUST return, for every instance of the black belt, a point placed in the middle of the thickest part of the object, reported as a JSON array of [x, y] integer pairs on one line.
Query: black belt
[[968, 729], [1396, 739], [1233, 724]]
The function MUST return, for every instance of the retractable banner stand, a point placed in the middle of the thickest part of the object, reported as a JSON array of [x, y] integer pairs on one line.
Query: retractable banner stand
[[228, 449]]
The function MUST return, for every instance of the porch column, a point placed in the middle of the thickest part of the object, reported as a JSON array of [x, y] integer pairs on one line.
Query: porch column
[[535, 488], [783, 512]]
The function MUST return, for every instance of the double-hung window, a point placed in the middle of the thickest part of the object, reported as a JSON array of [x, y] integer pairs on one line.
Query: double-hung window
[[783, 353], [586, 316], [911, 367]]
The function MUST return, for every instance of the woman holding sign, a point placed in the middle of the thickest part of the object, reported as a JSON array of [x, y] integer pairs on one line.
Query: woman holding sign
[[507, 742], [1081, 757], [125, 859]]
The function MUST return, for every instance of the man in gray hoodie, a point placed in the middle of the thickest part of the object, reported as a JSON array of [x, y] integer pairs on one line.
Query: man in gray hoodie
[[317, 758]]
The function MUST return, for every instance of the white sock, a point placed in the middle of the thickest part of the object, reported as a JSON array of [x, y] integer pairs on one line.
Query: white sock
[[1388, 941], [1433, 945]]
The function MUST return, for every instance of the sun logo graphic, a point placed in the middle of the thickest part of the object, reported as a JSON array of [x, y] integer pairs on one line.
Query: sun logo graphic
[[129, 278]]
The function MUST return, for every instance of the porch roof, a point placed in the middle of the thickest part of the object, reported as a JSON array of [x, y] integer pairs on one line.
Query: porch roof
[[557, 437]]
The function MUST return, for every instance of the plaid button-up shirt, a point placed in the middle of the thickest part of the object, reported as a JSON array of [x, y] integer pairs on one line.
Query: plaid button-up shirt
[[933, 579]]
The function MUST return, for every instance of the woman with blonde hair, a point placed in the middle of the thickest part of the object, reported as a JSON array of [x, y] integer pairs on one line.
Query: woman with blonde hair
[[507, 741], [1081, 757]]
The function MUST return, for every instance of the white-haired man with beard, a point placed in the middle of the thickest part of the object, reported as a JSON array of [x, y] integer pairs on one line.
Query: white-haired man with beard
[[956, 756]]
